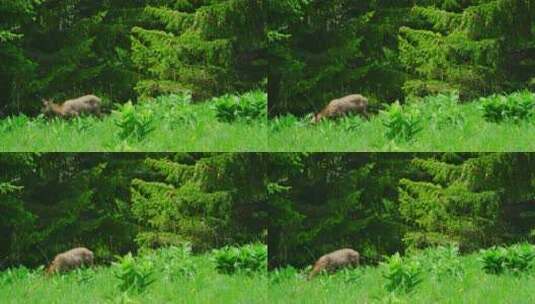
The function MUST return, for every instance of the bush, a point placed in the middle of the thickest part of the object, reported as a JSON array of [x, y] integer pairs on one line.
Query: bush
[[402, 123], [176, 109], [515, 107], [442, 110], [134, 274], [516, 259], [178, 261], [442, 261], [402, 274], [248, 107], [134, 122], [248, 259]]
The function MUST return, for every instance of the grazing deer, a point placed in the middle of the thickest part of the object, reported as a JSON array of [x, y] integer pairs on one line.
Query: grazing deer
[[71, 259], [355, 103], [88, 104], [335, 260]]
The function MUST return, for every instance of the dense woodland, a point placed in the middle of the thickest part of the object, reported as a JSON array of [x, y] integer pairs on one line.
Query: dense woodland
[[115, 203], [388, 50], [124, 50], [303, 204], [382, 203]]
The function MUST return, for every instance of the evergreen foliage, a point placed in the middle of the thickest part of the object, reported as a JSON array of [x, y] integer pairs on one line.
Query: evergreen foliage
[[205, 47], [50, 203], [391, 50], [387, 202], [124, 49], [206, 200]]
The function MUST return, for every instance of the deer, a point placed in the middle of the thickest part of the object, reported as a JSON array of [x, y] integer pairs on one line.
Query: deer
[[355, 103], [335, 260], [70, 260], [88, 104]]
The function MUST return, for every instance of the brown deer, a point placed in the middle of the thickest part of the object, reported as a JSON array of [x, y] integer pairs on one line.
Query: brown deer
[[335, 260], [70, 260], [355, 103], [88, 104]]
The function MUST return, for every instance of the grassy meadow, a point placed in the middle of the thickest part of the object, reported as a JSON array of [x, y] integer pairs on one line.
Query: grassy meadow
[[437, 276], [163, 276], [168, 123], [436, 123]]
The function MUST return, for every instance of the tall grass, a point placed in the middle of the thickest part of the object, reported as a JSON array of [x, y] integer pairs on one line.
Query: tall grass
[[168, 123], [437, 123], [443, 280], [174, 279]]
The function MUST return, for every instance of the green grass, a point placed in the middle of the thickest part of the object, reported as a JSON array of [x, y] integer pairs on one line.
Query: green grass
[[446, 125], [172, 124], [100, 285], [367, 285]]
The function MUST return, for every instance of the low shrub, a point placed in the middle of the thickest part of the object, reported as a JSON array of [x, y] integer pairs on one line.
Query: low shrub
[[401, 274], [135, 275], [249, 258], [515, 107], [134, 122], [402, 124], [247, 107], [516, 259]]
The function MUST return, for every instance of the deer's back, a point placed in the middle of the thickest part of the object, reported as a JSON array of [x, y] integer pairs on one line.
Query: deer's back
[[342, 257]]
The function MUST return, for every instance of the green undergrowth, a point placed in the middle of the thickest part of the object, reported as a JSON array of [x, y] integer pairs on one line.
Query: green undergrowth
[[170, 275], [167, 123], [436, 123]]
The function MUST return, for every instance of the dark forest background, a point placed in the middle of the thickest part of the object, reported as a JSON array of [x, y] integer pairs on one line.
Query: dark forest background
[[396, 49], [302, 204], [125, 49], [382, 203], [115, 203]]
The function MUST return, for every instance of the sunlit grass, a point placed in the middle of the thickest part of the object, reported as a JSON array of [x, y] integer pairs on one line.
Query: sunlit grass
[[175, 127], [446, 126], [367, 285], [100, 285]]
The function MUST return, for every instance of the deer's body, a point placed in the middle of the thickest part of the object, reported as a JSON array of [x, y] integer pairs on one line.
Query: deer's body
[[356, 104], [335, 260], [88, 104], [70, 260]]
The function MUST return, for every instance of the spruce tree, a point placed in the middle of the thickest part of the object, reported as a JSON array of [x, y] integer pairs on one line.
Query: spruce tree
[[209, 200], [473, 47], [466, 202], [204, 47]]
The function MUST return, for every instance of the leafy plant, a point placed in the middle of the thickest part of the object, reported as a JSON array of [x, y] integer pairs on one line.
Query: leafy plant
[[84, 275], [442, 110], [402, 274], [402, 124], [442, 261], [134, 122], [520, 257], [249, 258], [134, 274], [517, 259], [248, 107], [494, 260], [178, 261], [515, 107]]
